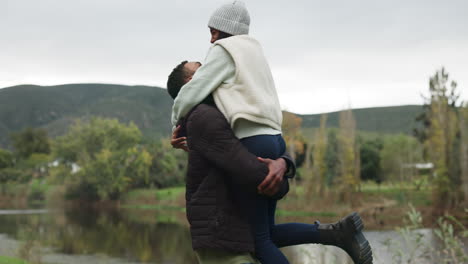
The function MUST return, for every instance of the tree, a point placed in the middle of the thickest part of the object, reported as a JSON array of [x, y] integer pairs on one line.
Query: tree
[[11, 175], [319, 164], [6, 159], [7, 171], [399, 151], [442, 139], [292, 134], [29, 141], [370, 160], [86, 139], [113, 172], [348, 154], [331, 156], [22, 170], [109, 157], [464, 151], [168, 165]]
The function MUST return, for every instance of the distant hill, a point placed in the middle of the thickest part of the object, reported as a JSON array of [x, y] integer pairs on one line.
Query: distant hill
[[392, 119], [55, 107]]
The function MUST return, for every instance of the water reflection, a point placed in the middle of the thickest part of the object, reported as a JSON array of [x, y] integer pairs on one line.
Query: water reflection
[[142, 236], [103, 232]]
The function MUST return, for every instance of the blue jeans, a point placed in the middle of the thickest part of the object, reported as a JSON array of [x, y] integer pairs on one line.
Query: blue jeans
[[261, 210]]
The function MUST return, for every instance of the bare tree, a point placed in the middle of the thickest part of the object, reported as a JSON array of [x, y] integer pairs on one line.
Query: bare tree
[[443, 140], [348, 154], [319, 164]]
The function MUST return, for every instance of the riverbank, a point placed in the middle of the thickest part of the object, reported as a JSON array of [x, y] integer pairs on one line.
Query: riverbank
[[10, 260], [381, 206], [8, 248]]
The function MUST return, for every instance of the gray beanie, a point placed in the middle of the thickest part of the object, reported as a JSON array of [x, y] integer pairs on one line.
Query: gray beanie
[[232, 18]]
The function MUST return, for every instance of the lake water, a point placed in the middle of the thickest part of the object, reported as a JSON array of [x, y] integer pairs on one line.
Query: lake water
[[140, 236]]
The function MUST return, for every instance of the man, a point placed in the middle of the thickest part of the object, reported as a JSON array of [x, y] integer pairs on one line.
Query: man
[[217, 162]]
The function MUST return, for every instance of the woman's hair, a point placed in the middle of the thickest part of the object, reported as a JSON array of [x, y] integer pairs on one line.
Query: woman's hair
[[223, 35]]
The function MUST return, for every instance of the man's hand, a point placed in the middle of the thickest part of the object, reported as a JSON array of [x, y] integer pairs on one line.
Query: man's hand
[[272, 182], [181, 142]]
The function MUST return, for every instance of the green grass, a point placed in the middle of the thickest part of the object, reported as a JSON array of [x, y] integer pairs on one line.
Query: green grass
[[160, 194], [302, 213], [151, 196], [169, 199], [139, 193], [169, 193], [155, 207], [10, 260], [369, 187], [403, 193]]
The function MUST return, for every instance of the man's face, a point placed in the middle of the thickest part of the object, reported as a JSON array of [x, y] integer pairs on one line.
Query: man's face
[[190, 69]]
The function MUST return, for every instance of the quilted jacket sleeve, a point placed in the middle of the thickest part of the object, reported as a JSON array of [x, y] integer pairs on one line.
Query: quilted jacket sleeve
[[210, 134]]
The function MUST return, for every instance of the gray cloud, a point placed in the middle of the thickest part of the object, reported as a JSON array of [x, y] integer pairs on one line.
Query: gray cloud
[[365, 53]]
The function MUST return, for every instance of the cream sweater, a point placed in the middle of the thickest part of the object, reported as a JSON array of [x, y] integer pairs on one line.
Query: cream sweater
[[237, 74]]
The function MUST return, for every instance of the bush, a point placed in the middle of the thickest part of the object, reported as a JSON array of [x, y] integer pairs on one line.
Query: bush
[[6, 159], [417, 249], [168, 165], [109, 158], [37, 190], [14, 175]]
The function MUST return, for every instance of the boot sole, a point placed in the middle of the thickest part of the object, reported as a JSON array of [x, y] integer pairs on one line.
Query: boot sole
[[365, 251]]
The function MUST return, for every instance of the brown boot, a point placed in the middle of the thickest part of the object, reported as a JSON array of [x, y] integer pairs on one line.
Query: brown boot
[[347, 235]]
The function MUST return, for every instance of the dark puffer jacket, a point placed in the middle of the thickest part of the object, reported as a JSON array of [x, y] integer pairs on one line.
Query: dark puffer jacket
[[217, 162]]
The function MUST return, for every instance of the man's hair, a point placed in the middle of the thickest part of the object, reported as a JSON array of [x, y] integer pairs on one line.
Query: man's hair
[[176, 80]]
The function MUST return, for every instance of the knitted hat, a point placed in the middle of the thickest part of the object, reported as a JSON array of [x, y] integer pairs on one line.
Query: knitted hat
[[232, 18]]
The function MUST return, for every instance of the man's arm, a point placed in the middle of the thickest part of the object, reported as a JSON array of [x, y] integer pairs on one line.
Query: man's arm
[[210, 134], [284, 167], [217, 68]]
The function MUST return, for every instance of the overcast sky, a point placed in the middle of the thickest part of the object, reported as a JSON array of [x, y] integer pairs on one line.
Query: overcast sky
[[325, 55]]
